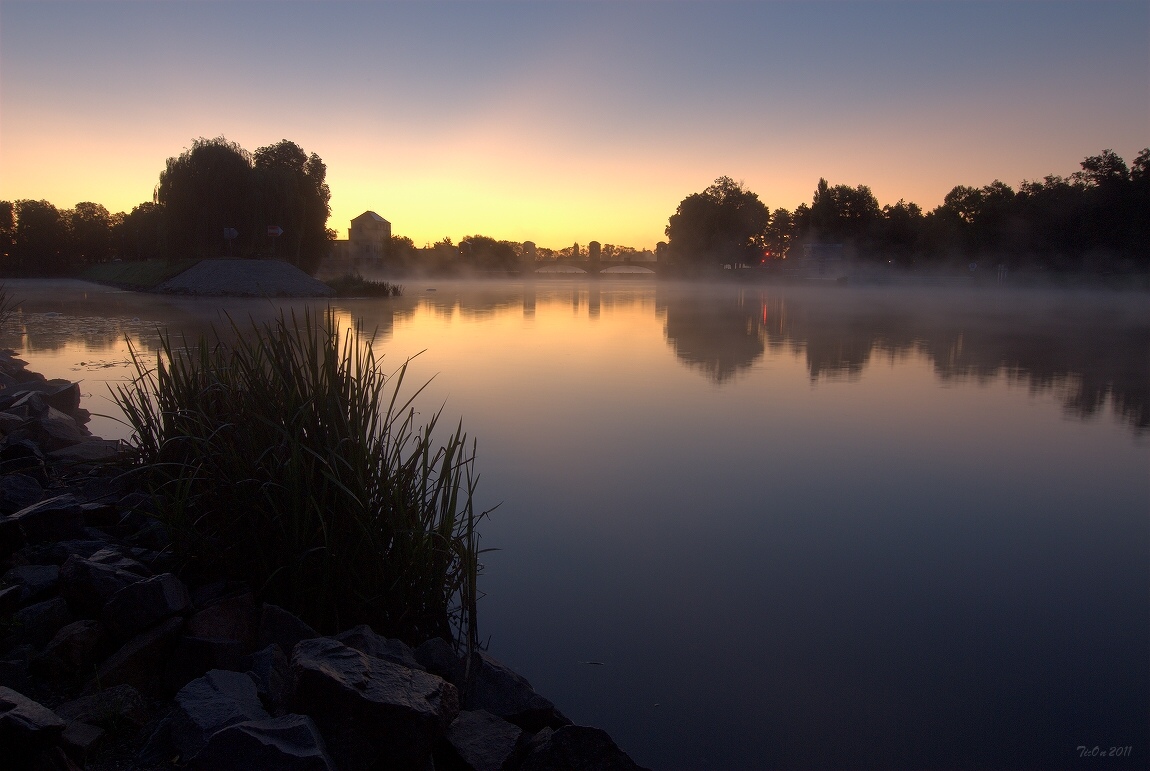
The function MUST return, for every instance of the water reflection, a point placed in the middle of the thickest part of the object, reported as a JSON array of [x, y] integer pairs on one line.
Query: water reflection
[[1087, 348]]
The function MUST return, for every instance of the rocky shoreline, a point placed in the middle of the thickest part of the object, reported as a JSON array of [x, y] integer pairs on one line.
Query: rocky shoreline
[[108, 660]]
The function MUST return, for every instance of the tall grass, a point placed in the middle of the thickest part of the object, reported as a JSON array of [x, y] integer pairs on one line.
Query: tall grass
[[288, 459]]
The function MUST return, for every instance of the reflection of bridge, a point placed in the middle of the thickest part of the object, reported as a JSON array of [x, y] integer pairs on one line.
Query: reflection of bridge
[[597, 268]]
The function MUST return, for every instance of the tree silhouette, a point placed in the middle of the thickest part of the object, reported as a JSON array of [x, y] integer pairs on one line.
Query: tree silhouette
[[726, 223]]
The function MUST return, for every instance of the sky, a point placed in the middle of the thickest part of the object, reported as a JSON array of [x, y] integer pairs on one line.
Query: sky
[[561, 122]]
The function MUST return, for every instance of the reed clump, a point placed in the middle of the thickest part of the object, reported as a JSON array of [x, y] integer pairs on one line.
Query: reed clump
[[283, 455], [355, 285]]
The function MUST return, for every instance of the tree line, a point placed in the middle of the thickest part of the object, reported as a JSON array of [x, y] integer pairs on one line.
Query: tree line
[[1094, 219], [213, 200]]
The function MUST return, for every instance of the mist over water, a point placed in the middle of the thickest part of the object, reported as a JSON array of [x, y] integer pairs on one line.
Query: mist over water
[[800, 527]]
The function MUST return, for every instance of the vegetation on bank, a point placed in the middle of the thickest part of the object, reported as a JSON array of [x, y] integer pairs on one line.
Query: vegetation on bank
[[218, 200], [355, 285], [1093, 220], [283, 456]]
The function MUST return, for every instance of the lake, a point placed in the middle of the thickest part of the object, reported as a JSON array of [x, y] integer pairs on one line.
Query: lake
[[747, 527]]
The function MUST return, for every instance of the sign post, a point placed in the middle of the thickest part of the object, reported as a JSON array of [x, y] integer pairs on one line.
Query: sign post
[[230, 234], [274, 231]]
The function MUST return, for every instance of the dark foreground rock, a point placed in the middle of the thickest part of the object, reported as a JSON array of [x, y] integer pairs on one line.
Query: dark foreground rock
[[108, 660]]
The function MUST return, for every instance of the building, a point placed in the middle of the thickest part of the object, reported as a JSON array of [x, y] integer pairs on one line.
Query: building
[[367, 242]]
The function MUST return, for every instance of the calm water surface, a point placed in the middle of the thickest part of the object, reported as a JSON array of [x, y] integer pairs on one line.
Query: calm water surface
[[798, 527]]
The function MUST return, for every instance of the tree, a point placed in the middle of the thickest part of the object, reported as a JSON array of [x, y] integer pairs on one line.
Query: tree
[[780, 234], [843, 213], [7, 230], [204, 190], [216, 184], [726, 223], [143, 232], [89, 227], [291, 191], [40, 239]]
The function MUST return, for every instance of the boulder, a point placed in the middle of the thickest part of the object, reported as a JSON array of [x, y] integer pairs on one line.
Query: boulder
[[209, 703], [80, 738], [53, 519], [22, 454], [364, 639], [54, 430], [110, 708], [36, 581], [282, 628], [26, 726], [140, 661], [194, 656], [439, 658], [11, 598], [271, 672], [18, 491], [373, 714], [86, 451], [288, 743], [75, 648], [576, 748], [37, 624], [141, 604], [88, 584], [493, 687], [230, 617], [483, 741]]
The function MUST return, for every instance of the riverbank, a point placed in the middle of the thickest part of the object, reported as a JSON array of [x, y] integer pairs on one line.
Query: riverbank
[[110, 660]]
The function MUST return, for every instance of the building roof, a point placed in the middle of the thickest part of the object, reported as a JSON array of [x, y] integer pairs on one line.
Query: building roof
[[371, 215]]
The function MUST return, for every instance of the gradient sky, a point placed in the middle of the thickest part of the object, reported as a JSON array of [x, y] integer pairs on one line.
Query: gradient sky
[[570, 121]]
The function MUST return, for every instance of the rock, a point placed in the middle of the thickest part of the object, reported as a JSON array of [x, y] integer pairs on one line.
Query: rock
[[26, 725], [11, 597], [53, 519], [577, 748], [117, 557], [141, 660], [100, 514], [80, 738], [271, 671], [62, 394], [229, 618], [36, 581], [493, 687], [59, 552], [373, 713], [110, 708], [54, 430], [194, 656], [288, 743], [483, 741], [87, 584], [141, 604], [364, 639], [439, 658], [18, 491], [282, 628], [209, 703], [87, 451], [14, 670], [22, 454], [38, 624], [76, 647]]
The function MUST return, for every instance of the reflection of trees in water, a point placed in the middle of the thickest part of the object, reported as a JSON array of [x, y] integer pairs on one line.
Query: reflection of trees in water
[[712, 334], [1087, 349]]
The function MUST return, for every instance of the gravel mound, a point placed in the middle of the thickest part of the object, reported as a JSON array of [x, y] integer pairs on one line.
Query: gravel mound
[[246, 278]]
